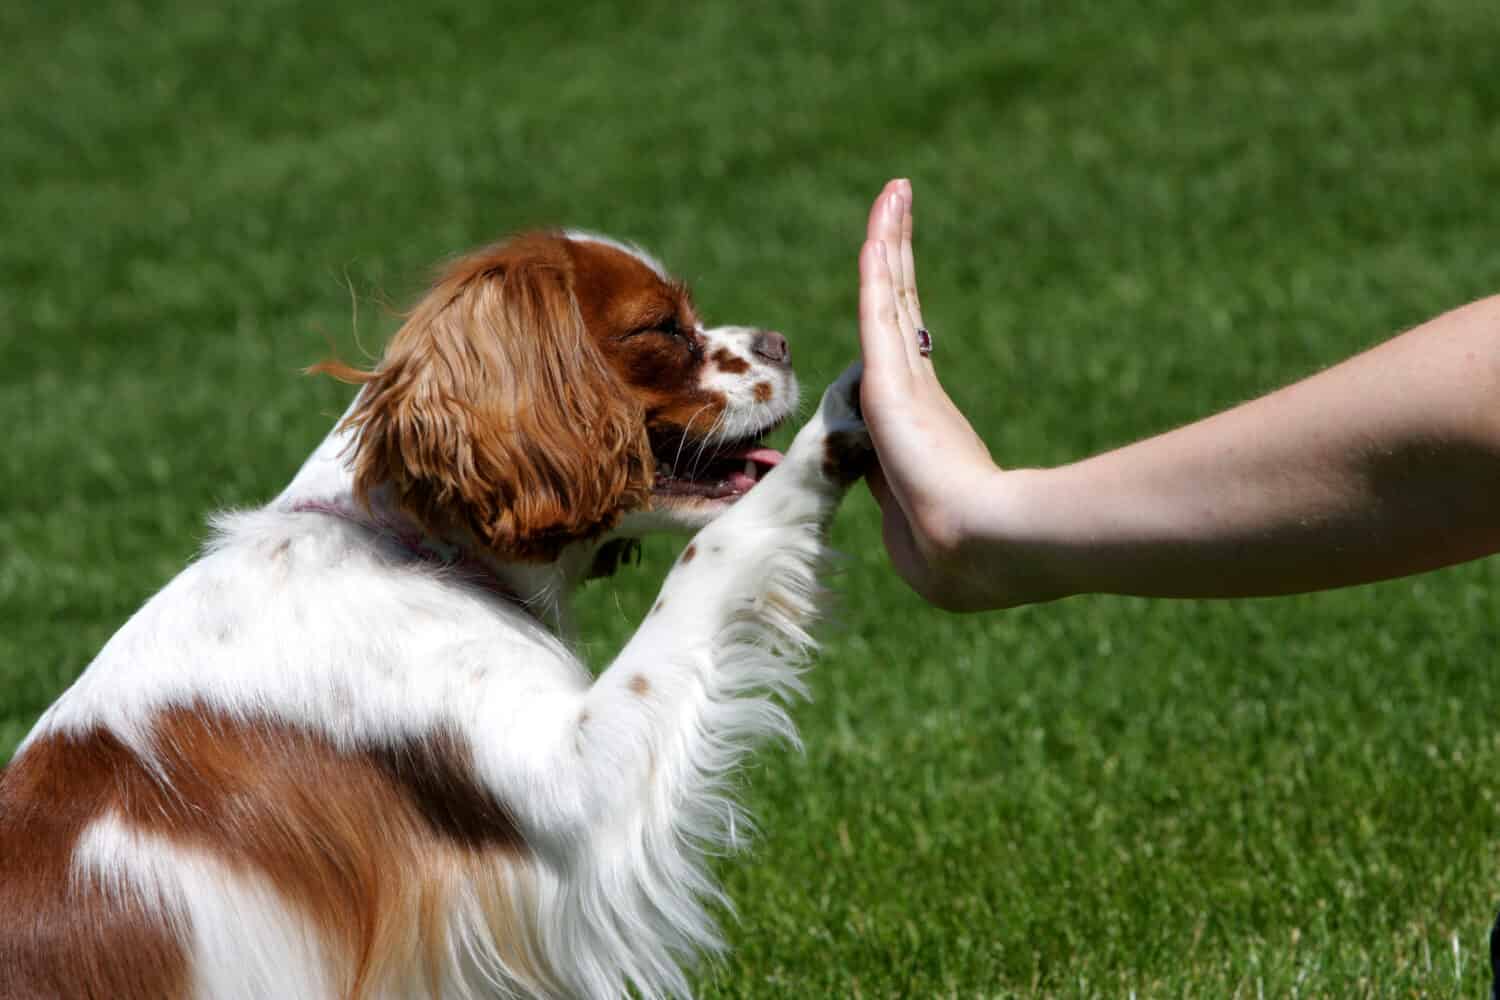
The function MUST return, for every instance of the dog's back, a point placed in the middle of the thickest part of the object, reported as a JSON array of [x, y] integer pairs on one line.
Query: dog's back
[[156, 845]]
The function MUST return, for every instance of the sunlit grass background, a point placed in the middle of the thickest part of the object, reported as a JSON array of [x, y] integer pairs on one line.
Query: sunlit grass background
[[1130, 213]]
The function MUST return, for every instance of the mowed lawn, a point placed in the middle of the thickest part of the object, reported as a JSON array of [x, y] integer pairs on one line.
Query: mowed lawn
[[1129, 214]]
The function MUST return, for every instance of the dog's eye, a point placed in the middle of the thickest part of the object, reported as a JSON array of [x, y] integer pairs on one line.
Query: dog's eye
[[670, 326], [676, 330]]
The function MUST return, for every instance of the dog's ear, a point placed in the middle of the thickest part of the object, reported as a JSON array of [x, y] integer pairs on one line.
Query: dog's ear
[[493, 410]]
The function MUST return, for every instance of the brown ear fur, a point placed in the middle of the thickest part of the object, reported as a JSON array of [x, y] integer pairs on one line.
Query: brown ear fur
[[493, 411]]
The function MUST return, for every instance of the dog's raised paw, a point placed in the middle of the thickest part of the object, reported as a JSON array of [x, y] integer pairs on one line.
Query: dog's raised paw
[[847, 451], [839, 407]]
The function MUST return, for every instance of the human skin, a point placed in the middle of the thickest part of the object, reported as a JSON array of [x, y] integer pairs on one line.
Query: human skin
[[1383, 465]]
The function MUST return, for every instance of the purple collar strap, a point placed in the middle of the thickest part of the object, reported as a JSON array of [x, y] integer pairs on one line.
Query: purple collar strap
[[418, 546]]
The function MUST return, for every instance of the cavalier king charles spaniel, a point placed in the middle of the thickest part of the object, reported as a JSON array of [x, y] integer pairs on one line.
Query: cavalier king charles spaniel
[[351, 752]]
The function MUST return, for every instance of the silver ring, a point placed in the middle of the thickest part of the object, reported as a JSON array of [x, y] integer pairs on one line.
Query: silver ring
[[924, 341]]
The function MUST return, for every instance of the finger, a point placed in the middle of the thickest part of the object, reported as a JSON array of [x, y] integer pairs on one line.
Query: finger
[[908, 261], [879, 220], [896, 531], [894, 522], [890, 500], [889, 230], [879, 329], [880, 487], [908, 297], [897, 208], [885, 225]]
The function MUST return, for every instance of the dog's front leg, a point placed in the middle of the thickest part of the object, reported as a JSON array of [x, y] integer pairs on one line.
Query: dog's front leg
[[728, 627], [702, 678]]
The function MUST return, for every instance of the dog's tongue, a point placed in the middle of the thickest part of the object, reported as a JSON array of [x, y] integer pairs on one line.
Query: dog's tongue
[[768, 457], [757, 460]]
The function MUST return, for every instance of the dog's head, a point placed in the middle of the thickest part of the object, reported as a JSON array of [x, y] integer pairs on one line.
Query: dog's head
[[550, 385]]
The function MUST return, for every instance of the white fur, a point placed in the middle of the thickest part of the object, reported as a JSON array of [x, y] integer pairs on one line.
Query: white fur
[[585, 236], [317, 621], [739, 389], [244, 943]]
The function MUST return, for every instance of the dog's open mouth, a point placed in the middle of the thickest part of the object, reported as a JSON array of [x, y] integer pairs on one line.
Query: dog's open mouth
[[728, 471]]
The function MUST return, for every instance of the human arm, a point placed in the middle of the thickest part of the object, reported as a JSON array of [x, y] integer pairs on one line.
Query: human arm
[[1384, 465]]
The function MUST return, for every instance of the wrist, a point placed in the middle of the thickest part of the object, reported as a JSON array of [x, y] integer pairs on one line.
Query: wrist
[[1010, 535]]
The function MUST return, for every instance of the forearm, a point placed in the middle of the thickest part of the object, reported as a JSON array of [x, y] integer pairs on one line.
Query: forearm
[[1384, 465]]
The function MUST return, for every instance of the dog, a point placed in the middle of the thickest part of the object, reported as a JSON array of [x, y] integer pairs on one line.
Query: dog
[[349, 751]]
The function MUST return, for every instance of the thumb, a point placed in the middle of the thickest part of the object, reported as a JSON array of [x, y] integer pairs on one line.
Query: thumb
[[880, 489]]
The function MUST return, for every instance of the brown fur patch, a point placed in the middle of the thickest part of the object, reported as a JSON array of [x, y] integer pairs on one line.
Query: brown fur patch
[[729, 362], [362, 842], [764, 391], [639, 685], [494, 412], [688, 554], [520, 401], [61, 937], [846, 456], [646, 328]]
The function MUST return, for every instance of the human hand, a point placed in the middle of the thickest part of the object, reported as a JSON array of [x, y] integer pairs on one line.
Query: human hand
[[934, 473]]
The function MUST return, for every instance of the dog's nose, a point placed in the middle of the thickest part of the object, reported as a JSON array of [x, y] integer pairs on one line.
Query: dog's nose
[[772, 346]]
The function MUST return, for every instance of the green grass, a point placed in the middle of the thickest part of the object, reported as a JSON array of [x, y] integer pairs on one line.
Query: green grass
[[1130, 214]]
